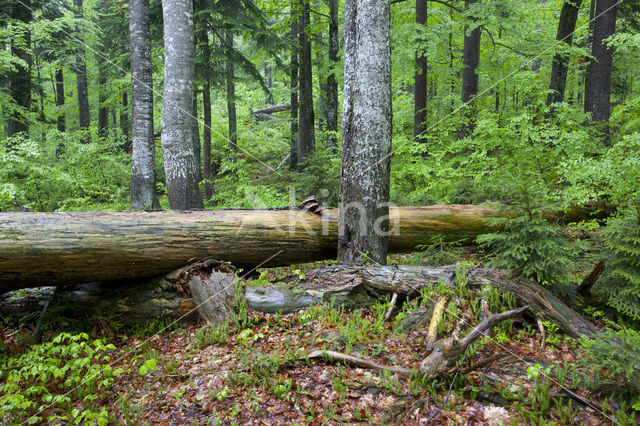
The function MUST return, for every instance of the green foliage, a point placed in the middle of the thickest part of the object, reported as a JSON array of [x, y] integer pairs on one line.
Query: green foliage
[[614, 357], [528, 244], [620, 284], [53, 372], [32, 175]]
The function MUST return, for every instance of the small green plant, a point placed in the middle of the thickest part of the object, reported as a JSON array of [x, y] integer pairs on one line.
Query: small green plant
[[210, 335], [148, 366], [54, 372], [620, 284], [530, 245]]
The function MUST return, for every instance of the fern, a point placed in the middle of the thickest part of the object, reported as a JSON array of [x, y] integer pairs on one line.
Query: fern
[[621, 283]]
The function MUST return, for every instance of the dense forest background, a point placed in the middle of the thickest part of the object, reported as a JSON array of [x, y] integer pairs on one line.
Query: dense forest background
[[532, 105]]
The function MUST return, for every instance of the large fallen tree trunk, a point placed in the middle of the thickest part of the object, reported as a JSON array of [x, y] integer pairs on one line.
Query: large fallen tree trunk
[[39, 249]]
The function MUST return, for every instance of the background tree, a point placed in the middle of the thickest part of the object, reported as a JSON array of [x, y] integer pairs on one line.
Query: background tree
[[81, 73], [420, 97], [143, 181], [306, 121], [366, 132], [566, 28], [470, 78], [177, 137], [20, 77]]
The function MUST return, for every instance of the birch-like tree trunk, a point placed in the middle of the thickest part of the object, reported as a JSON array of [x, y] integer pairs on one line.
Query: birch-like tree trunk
[[566, 27], [366, 132], [143, 179], [177, 128]]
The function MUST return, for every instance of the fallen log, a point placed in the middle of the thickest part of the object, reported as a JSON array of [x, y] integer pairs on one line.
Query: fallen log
[[362, 286], [43, 249], [272, 109]]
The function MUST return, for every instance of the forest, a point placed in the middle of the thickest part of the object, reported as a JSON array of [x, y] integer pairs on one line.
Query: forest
[[319, 212]]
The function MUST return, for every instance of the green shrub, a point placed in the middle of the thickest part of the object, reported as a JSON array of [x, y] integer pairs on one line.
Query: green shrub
[[53, 372], [614, 357], [528, 244], [621, 283]]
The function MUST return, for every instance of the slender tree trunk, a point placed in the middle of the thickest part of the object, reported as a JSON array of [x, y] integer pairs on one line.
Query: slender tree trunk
[[566, 27], [177, 128], [598, 87], [143, 177], [20, 79], [294, 83], [332, 83], [206, 111], [306, 131], [197, 150], [81, 77], [231, 97], [124, 115], [366, 130], [420, 96], [103, 111], [61, 122], [470, 60]]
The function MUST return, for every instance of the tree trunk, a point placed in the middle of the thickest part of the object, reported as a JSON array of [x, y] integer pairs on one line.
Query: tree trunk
[[306, 122], [294, 83], [20, 79], [81, 78], [598, 88], [471, 61], [57, 248], [420, 95], [231, 97], [332, 82], [103, 111], [566, 27], [124, 115], [143, 179], [60, 100], [177, 128], [366, 130], [197, 150]]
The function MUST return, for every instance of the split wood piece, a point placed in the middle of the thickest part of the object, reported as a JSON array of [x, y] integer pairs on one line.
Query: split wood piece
[[446, 352], [44, 249], [438, 312]]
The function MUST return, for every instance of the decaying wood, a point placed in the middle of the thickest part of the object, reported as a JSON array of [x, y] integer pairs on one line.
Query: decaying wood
[[213, 294], [445, 354], [590, 280], [272, 109], [361, 286], [438, 312], [42, 249]]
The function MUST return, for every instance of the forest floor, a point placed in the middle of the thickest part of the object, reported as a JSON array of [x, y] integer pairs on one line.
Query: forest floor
[[252, 371]]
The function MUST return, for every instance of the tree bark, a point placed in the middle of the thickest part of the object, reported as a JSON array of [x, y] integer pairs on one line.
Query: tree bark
[[566, 27], [420, 95], [61, 121], [471, 61], [143, 179], [294, 87], [306, 121], [20, 79], [124, 116], [197, 150], [231, 97], [366, 130], [81, 78], [206, 135], [177, 129], [332, 82], [57, 248], [598, 82]]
